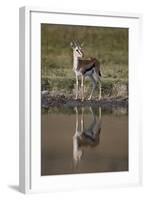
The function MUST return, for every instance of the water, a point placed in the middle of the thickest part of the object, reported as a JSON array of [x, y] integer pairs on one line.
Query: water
[[84, 140]]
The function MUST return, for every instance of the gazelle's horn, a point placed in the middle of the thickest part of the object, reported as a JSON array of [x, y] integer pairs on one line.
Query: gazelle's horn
[[72, 43], [77, 42], [82, 44]]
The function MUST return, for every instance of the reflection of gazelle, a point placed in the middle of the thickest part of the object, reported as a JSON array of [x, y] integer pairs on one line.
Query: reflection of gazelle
[[85, 68], [85, 136]]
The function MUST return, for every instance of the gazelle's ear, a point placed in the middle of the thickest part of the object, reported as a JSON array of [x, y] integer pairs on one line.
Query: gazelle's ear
[[72, 44], [82, 44]]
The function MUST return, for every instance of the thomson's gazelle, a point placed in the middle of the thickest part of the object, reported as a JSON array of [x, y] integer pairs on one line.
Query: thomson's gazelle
[[85, 67], [85, 135]]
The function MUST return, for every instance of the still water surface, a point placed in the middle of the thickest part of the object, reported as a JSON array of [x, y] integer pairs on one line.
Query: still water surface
[[84, 140]]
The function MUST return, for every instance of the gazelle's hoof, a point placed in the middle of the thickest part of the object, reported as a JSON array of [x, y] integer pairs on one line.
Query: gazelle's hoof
[[89, 98]]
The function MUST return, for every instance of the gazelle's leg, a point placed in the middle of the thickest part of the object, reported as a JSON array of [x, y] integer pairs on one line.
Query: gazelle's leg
[[82, 87], [82, 120], [91, 129], [99, 113], [99, 120], [77, 119], [93, 87], [75, 137], [77, 151], [77, 87], [91, 110], [99, 81], [94, 121]]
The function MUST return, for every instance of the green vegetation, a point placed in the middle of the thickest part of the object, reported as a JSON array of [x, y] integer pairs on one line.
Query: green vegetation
[[109, 45]]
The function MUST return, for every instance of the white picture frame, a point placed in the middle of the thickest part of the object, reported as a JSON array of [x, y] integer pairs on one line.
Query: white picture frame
[[30, 178]]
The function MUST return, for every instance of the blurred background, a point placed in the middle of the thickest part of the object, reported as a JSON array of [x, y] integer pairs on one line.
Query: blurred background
[[108, 45]]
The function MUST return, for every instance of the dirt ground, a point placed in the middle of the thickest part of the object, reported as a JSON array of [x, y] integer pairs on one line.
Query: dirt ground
[[61, 100]]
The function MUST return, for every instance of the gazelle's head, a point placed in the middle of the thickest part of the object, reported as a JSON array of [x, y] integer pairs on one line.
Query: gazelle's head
[[77, 50]]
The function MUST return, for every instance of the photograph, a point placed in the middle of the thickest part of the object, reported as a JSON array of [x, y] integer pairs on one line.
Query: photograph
[[84, 99]]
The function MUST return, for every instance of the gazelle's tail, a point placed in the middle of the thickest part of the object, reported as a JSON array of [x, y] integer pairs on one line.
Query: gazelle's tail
[[99, 73]]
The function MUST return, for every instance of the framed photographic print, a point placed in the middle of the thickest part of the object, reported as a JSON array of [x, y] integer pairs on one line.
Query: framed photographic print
[[79, 99]]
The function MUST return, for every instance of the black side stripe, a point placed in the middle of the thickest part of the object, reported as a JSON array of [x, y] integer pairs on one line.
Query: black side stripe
[[100, 73], [89, 137], [92, 66]]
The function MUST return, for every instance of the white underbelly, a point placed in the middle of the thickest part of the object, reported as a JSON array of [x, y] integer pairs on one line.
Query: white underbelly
[[78, 73], [88, 73]]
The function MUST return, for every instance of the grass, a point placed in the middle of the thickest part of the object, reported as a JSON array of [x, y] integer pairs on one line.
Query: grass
[[109, 45]]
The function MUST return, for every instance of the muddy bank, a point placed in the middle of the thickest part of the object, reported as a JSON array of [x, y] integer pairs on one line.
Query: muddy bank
[[61, 100]]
